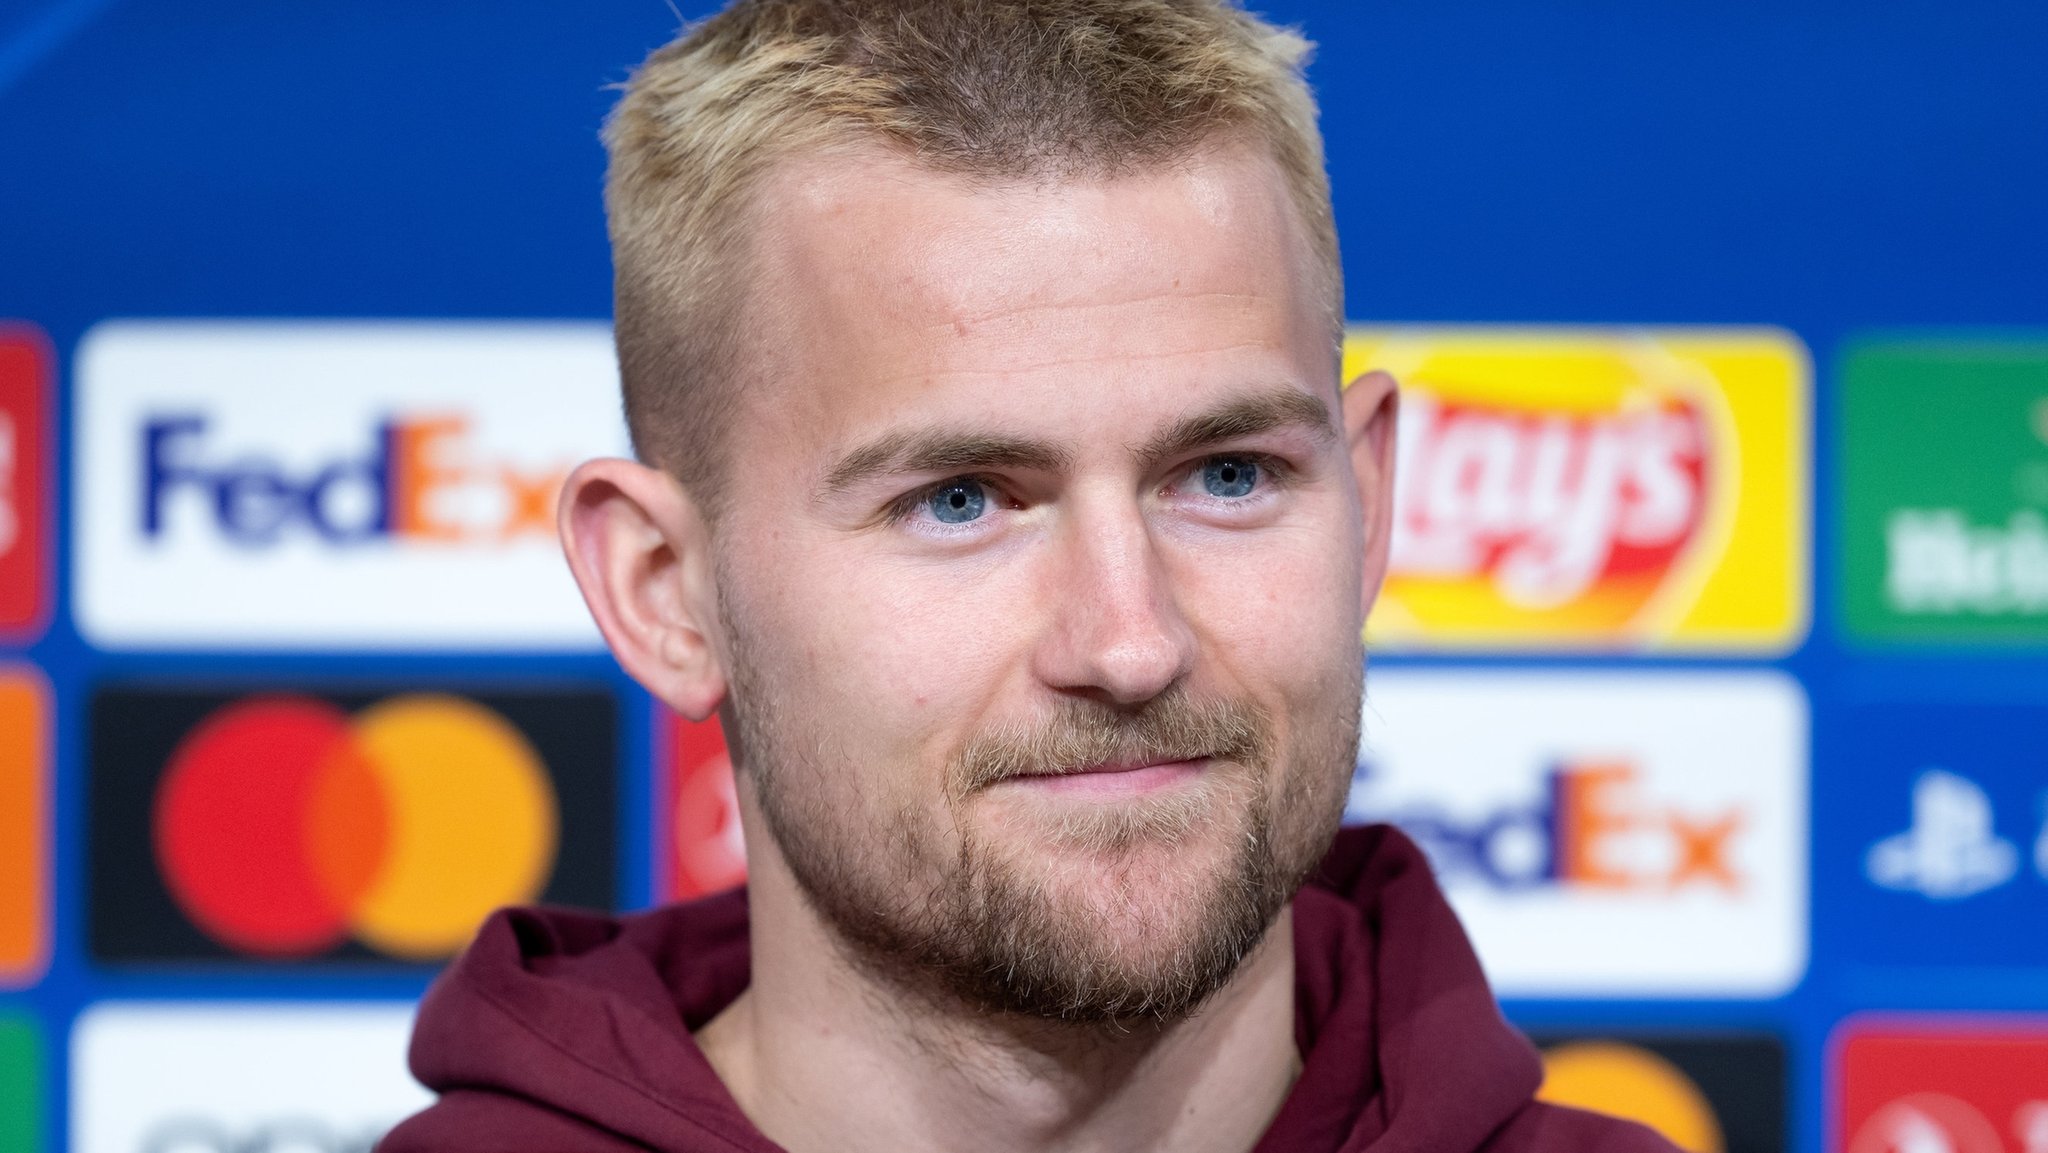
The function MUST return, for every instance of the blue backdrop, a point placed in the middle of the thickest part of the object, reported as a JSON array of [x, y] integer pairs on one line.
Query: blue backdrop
[[1823, 166]]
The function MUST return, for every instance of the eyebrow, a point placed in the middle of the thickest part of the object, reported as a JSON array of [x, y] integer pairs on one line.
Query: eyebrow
[[942, 450], [1267, 411]]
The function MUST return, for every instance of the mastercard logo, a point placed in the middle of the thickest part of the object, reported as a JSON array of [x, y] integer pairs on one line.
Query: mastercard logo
[[286, 826], [1635, 1084]]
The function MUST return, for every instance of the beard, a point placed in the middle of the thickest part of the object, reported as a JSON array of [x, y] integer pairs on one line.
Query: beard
[[1113, 914]]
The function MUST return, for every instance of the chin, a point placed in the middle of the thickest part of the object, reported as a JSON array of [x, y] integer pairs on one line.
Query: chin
[[1148, 930], [1135, 870]]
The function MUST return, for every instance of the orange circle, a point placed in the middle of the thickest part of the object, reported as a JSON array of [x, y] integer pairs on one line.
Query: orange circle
[[1635, 1084], [473, 823]]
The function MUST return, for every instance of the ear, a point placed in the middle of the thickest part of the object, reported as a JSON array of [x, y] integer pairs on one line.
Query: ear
[[640, 549], [1371, 405]]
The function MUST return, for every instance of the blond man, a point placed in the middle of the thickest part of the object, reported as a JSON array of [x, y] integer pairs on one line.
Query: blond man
[[997, 491]]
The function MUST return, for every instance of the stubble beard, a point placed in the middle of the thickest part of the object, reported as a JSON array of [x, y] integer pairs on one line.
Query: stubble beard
[[1123, 928]]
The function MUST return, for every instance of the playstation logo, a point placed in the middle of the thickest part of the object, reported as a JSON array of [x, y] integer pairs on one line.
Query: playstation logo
[[1951, 850]]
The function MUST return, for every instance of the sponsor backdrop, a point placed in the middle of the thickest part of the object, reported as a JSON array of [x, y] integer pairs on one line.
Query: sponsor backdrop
[[1712, 670]]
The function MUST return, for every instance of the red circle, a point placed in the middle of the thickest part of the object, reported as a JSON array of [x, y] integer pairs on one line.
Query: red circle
[[232, 825]]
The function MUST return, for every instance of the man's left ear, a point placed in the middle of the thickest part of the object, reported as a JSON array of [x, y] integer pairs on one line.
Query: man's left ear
[[1371, 405]]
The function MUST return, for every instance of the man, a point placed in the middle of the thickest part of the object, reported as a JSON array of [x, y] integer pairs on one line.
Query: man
[[1001, 499]]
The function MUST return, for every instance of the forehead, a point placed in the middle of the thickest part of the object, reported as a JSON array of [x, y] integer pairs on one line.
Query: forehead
[[892, 290]]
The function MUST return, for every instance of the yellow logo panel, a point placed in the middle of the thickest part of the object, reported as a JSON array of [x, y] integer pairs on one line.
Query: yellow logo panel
[[1587, 489]]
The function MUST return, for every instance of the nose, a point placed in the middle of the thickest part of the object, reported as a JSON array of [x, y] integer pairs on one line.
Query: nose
[[1117, 633]]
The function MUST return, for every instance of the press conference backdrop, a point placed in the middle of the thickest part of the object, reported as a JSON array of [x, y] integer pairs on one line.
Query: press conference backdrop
[[1723, 499]]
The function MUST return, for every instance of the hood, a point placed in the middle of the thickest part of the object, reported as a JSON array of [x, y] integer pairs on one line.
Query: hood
[[564, 1031]]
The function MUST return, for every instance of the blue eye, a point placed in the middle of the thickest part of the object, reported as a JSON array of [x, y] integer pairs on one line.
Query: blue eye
[[1230, 477], [958, 501]]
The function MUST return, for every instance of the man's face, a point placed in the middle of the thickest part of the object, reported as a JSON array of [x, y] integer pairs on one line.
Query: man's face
[[1040, 574]]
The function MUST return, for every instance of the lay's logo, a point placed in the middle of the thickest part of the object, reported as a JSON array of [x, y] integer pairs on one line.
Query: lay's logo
[[1594, 490], [335, 485]]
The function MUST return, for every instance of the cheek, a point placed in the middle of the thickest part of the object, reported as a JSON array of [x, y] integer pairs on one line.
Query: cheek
[[1278, 614], [891, 662]]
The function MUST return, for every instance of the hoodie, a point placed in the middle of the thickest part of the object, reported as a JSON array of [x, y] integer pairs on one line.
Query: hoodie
[[562, 1032]]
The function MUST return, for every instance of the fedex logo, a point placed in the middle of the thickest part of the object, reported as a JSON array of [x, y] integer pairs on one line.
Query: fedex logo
[[1603, 834], [417, 480], [335, 485], [1591, 827]]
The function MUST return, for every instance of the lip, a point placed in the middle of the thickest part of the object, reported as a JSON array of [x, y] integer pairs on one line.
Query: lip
[[1112, 781]]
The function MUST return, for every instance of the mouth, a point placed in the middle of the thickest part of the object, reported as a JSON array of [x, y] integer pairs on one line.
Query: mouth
[[1111, 781]]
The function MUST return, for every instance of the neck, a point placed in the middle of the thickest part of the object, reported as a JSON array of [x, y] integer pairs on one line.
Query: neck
[[823, 1055]]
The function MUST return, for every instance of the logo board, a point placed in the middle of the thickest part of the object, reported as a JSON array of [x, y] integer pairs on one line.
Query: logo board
[[705, 851], [337, 485], [24, 432], [21, 1083], [1944, 449], [250, 1077], [1941, 1085], [1936, 853], [354, 825], [1603, 834], [1594, 489], [24, 825]]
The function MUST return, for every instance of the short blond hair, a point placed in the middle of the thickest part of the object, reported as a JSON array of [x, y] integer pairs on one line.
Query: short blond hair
[[991, 89]]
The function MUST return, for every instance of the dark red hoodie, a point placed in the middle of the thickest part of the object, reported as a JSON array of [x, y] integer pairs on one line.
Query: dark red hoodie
[[562, 1032]]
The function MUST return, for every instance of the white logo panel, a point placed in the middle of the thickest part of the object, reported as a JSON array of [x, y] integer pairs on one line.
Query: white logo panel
[[335, 485], [1604, 834], [240, 1076]]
